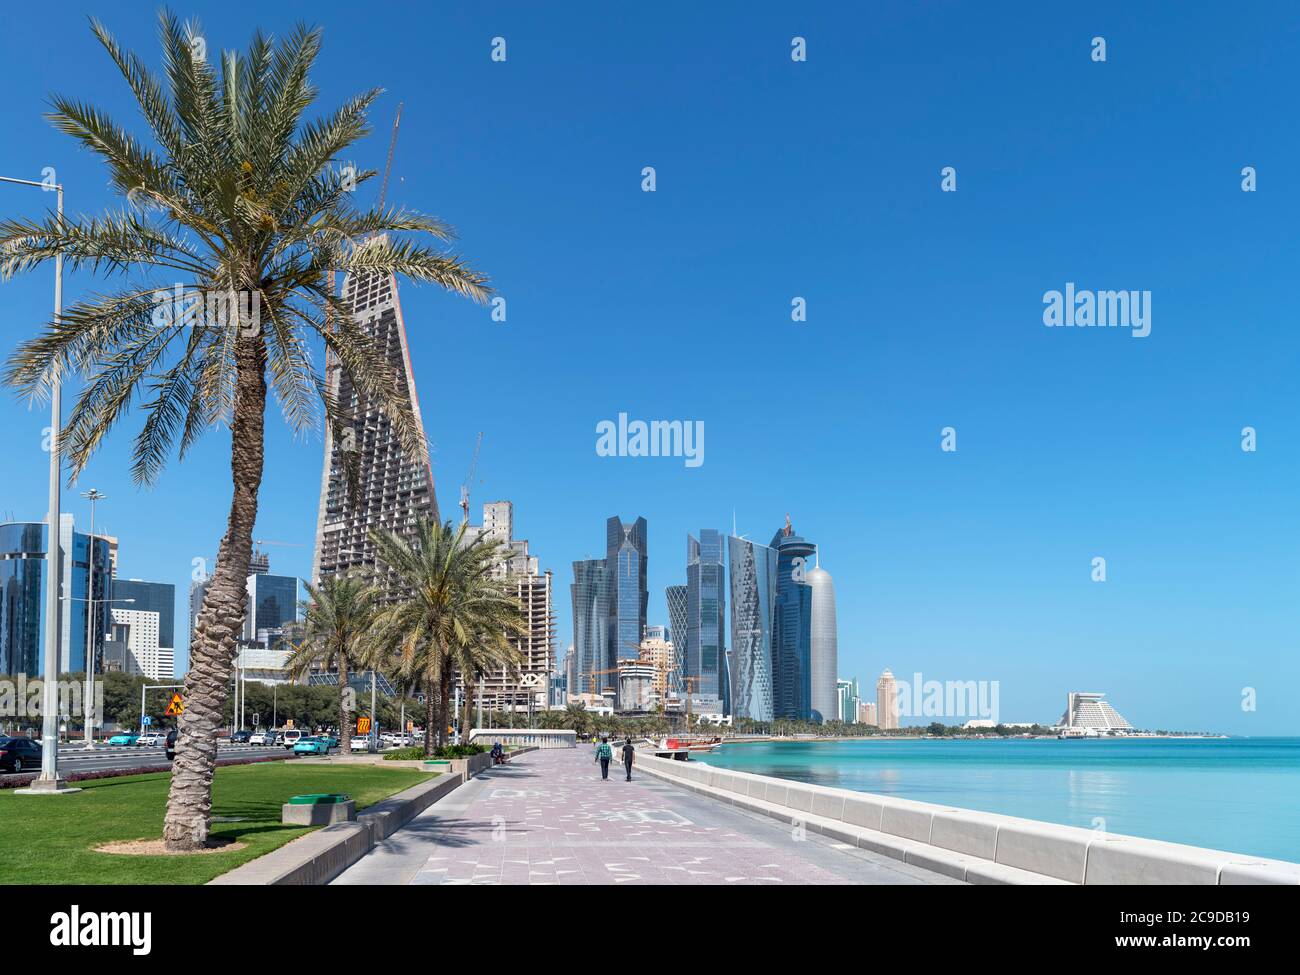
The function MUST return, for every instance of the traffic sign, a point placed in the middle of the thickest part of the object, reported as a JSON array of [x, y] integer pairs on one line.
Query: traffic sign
[[147, 721], [176, 707], [363, 726]]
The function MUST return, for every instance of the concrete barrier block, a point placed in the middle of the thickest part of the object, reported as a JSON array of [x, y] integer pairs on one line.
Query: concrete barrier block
[[886, 844], [986, 873], [1057, 851], [862, 811], [799, 797], [828, 803], [318, 814], [777, 793], [910, 820], [1257, 872], [941, 861], [973, 834], [1129, 860]]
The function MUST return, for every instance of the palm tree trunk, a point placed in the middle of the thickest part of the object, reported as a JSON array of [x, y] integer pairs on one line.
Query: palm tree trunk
[[444, 704], [428, 719], [470, 687], [345, 717], [212, 645]]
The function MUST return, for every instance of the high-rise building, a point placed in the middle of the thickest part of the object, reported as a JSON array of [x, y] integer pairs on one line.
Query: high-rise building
[[528, 687], [752, 569], [660, 654], [792, 626], [706, 614], [636, 686], [150, 597], [677, 629], [887, 702], [272, 603], [395, 485], [846, 708], [22, 588], [139, 630], [825, 644], [867, 711], [626, 557], [593, 597]]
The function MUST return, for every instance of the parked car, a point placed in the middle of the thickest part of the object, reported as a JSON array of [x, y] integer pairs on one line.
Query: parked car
[[292, 736], [150, 739], [316, 745], [170, 744], [361, 743], [258, 738], [17, 754], [124, 738], [241, 737]]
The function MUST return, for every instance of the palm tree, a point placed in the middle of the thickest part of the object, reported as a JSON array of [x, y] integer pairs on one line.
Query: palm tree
[[455, 614], [232, 195], [337, 620]]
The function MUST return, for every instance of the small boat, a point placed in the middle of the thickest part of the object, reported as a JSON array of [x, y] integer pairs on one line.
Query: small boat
[[689, 744]]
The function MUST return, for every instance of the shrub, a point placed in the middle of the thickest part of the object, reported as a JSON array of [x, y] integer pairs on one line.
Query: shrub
[[446, 751]]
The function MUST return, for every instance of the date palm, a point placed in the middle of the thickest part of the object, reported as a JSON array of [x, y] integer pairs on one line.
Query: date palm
[[231, 193], [455, 614], [337, 621]]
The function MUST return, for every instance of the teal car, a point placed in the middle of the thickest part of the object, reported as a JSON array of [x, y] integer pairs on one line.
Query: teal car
[[316, 745], [126, 738]]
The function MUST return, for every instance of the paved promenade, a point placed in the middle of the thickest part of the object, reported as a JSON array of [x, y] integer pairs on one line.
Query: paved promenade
[[548, 818]]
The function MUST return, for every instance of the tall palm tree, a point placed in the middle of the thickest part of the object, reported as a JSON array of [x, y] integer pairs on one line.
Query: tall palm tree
[[337, 621], [231, 194], [455, 614]]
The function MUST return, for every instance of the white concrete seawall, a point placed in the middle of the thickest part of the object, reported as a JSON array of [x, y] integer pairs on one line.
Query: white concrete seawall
[[978, 847]]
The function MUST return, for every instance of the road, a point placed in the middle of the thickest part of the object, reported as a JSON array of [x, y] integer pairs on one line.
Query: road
[[74, 757], [548, 818]]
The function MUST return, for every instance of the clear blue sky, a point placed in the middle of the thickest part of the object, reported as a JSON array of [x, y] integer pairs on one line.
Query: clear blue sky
[[821, 180]]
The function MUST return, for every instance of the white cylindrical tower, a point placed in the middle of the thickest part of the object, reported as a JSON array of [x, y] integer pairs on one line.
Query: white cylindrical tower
[[825, 645]]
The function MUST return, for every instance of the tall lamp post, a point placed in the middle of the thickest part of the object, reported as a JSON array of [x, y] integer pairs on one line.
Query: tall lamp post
[[89, 711], [49, 783]]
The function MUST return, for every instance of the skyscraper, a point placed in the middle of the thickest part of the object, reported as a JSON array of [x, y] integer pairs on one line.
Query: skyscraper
[[593, 597], [792, 626], [887, 701], [825, 644], [706, 615], [148, 611], [753, 591], [395, 486], [676, 597], [272, 602], [625, 556]]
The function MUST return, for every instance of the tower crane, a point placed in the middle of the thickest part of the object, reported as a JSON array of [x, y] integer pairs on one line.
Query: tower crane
[[464, 488]]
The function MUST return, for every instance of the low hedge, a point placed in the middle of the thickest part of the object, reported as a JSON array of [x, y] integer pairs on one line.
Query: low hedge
[[446, 751]]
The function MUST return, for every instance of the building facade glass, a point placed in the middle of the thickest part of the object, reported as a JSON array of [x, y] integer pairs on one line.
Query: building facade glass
[[792, 627], [753, 593], [676, 597], [593, 592], [706, 614], [626, 555], [150, 597], [22, 574], [272, 603]]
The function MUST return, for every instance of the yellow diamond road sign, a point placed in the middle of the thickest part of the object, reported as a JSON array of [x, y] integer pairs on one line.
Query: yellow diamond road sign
[[176, 707]]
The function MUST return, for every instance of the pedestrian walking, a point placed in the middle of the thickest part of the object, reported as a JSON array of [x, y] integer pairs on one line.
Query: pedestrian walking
[[603, 755], [628, 752]]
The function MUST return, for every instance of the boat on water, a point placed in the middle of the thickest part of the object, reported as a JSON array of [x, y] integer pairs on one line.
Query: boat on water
[[691, 743]]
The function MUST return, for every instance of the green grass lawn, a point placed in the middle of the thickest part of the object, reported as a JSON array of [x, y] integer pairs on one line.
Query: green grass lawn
[[50, 839]]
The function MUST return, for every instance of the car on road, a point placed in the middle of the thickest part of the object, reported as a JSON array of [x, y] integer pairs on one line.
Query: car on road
[[124, 738], [361, 743], [260, 738], [170, 744], [150, 739], [241, 737], [316, 745], [292, 736], [18, 754]]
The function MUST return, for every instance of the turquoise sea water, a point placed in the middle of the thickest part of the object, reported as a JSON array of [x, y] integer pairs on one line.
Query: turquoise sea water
[[1236, 794]]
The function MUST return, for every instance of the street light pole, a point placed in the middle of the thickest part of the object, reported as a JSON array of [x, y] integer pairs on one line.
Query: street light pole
[[89, 711], [49, 783]]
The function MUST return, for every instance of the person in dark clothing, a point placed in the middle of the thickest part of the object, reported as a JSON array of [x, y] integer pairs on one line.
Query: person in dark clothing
[[603, 755], [628, 752]]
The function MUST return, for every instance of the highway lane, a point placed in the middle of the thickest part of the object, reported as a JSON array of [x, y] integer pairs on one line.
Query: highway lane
[[75, 758]]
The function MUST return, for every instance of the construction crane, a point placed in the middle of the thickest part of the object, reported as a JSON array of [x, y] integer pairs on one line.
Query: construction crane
[[464, 488]]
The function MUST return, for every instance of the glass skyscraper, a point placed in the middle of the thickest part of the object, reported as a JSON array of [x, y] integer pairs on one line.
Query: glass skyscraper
[[593, 597], [150, 597], [676, 596], [706, 614], [792, 627], [753, 593], [272, 602], [625, 555]]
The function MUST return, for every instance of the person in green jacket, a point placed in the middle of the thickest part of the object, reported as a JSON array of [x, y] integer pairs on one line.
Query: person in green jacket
[[603, 755]]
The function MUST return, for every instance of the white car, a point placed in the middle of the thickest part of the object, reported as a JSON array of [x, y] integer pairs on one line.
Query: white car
[[292, 737], [257, 738], [361, 743], [150, 739]]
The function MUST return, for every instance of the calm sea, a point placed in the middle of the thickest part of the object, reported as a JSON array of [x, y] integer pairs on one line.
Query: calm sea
[[1236, 794]]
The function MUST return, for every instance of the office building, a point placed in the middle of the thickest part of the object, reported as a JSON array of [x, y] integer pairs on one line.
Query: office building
[[636, 686], [676, 599], [626, 557], [706, 614], [824, 644], [867, 713], [887, 702], [395, 486], [752, 570], [272, 604], [792, 626], [593, 597], [662, 656], [847, 699], [139, 630]]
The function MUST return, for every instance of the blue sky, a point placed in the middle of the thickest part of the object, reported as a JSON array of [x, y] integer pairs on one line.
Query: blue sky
[[819, 179]]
